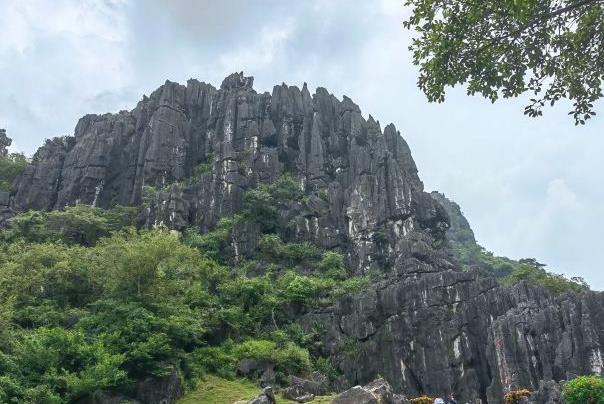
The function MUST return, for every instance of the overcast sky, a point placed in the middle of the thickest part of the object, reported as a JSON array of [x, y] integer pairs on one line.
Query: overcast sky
[[530, 188]]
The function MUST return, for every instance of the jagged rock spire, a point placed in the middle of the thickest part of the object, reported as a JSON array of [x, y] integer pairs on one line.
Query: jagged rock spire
[[5, 143]]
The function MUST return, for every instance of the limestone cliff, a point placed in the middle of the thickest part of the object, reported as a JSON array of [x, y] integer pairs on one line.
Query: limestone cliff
[[186, 154], [189, 153]]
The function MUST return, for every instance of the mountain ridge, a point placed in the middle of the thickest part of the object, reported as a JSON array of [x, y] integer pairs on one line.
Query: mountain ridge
[[191, 156]]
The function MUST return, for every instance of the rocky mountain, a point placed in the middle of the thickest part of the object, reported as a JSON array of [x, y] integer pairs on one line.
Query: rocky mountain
[[186, 155], [459, 228]]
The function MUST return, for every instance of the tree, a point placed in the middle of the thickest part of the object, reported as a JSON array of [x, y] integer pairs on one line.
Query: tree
[[11, 166], [584, 390], [553, 49]]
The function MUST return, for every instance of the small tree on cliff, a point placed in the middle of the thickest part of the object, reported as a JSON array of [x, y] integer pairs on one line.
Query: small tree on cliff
[[584, 390], [553, 49]]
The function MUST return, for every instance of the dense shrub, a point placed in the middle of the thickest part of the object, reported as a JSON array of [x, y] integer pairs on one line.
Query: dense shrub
[[87, 302], [287, 357], [215, 244], [332, 265], [422, 400], [53, 364], [76, 319], [584, 390], [274, 249], [515, 396], [10, 167], [511, 272], [303, 289], [264, 203], [536, 275], [81, 224]]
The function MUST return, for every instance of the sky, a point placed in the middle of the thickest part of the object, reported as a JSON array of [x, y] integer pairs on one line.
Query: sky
[[529, 187]]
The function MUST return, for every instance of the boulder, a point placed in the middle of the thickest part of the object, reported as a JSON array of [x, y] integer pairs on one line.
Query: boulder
[[381, 389], [547, 393], [160, 390], [355, 395], [299, 387], [266, 397], [378, 391], [153, 390], [399, 399], [258, 369]]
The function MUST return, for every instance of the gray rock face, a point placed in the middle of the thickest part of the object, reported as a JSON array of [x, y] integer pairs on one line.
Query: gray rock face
[[258, 369], [548, 393], [363, 190], [38, 186], [456, 332], [300, 388], [160, 390], [267, 397], [5, 142], [378, 391], [459, 227], [6, 212]]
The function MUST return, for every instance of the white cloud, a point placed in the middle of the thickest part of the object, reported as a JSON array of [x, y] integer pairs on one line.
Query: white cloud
[[261, 52], [55, 56]]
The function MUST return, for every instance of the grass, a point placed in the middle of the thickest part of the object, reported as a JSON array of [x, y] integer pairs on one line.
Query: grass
[[216, 390]]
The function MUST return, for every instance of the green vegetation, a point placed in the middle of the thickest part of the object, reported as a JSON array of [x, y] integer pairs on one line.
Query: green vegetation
[[516, 396], [203, 168], [584, 390], [89, 303], [80, 224], [264, 203], [504, 48], [216, 390], [510, 272], [10, 167]]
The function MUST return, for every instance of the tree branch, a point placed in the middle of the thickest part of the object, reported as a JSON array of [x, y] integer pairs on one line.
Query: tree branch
[[563, 10]]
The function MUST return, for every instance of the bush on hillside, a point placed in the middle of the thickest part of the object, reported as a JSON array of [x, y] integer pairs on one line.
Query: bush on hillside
[[584, 390], [515, 396], [81, 224], [422, 400], [10, 167]]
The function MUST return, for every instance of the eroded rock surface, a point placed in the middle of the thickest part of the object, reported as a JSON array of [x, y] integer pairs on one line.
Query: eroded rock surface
[[378, 391], [457, 332], [188, 153]]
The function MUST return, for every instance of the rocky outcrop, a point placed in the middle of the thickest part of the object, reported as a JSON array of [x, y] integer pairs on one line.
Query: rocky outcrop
[[160, 390], [378, 391], [37, 187], [188, 153], [153, 390], [5, 211], [301, 389], [459, 228], [261, 370], [547, 393], [266, 397], [5, 143], [457, 332]]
